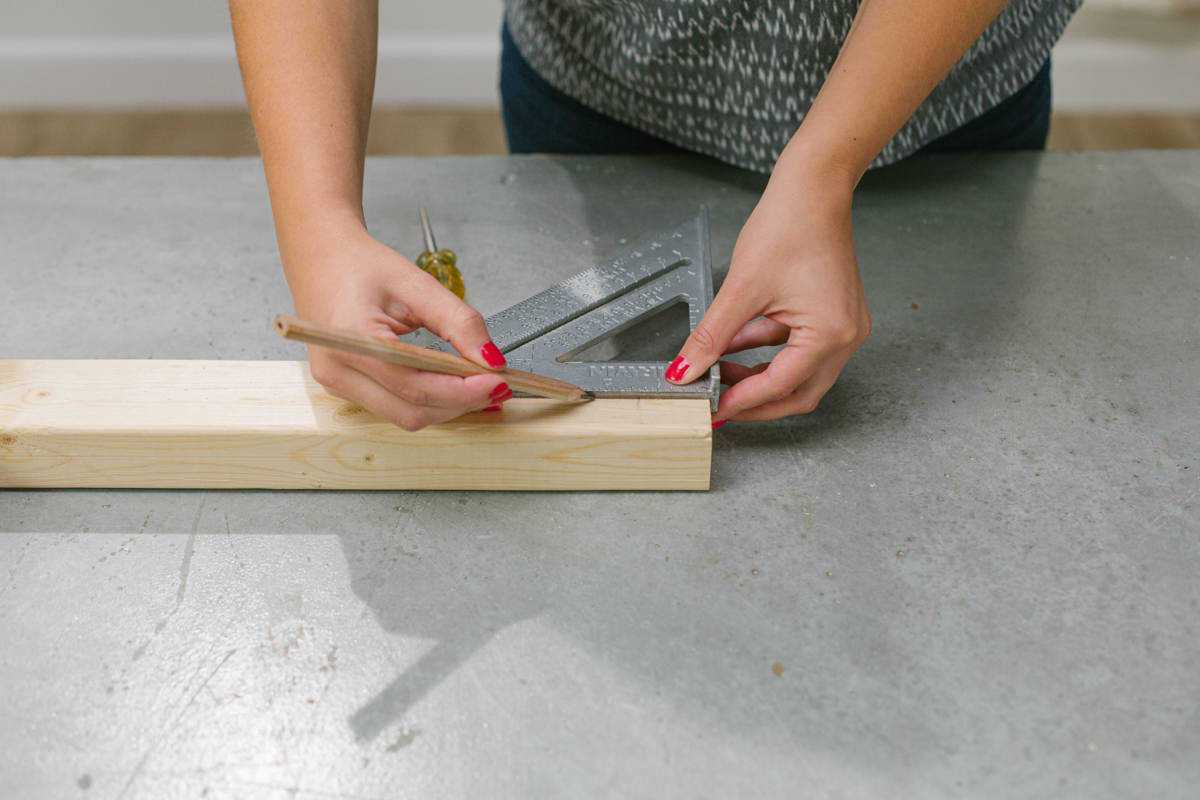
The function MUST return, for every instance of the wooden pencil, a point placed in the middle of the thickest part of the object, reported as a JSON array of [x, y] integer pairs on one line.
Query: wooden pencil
[[397, 352]]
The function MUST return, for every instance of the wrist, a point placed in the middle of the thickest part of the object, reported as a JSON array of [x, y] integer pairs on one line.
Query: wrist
[[821, 159], [309, 234], [807, 178]]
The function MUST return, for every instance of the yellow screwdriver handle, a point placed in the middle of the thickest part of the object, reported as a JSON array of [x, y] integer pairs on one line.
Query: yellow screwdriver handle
[[442, 266]]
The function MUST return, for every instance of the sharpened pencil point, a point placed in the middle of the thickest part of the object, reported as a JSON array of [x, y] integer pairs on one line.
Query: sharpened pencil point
[[587, 396]]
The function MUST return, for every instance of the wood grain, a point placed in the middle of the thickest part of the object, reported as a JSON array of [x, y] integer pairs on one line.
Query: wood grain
[[268, 424]]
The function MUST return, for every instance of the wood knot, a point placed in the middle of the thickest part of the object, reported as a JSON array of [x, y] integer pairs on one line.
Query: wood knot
[[7, 440], [348, 411]]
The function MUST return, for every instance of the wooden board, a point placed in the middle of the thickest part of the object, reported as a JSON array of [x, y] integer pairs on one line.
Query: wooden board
[[268, 424]]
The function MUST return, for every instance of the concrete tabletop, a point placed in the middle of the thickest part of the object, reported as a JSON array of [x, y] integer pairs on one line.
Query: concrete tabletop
[[974, 571]]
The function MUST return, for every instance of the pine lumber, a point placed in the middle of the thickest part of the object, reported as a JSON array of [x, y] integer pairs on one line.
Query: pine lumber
[[267, 424]]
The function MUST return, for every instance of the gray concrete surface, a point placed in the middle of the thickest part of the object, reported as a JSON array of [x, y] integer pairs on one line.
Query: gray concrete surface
[[974, 571]]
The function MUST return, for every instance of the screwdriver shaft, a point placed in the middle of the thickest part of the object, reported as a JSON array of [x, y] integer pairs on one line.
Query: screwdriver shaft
[[430, 244]]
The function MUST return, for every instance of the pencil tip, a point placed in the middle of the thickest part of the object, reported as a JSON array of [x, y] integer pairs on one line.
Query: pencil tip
[[587, 396]]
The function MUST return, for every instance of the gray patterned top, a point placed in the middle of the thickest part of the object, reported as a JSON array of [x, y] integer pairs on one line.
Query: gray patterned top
[[734, 78]]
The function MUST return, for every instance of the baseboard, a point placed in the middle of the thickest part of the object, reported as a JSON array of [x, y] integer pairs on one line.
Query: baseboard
[[202, 73]]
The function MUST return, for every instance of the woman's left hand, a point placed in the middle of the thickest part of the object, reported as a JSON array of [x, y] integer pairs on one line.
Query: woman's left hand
[[793, 266]]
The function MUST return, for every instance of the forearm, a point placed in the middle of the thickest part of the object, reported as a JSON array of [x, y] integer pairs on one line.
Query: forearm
[[895, 54], [309, 71]]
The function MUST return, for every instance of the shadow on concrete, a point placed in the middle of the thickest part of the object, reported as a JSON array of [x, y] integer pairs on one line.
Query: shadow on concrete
[[485, 578]]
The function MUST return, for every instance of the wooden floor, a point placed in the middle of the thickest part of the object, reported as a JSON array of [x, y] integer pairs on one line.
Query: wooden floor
[[417, 132], [1124, 131], [425, 132]]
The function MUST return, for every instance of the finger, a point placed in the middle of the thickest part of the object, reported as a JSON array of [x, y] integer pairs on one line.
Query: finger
[[731, 373], [350, 384], [786, 372], [758, 333], [803, 401], [452, 319], [421, 388], [733, 306]]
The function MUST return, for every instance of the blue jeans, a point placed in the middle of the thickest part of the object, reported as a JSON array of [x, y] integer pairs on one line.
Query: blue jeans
[[539, 118]]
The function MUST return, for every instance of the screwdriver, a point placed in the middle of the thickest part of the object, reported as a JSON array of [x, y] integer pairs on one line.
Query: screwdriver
[[441, 264]]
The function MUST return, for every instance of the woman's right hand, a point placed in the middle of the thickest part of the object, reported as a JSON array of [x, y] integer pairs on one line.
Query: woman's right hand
[[351, 281], [309, 71]]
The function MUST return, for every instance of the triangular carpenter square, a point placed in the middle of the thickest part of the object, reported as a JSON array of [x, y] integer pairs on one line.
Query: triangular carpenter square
[[544, 333]]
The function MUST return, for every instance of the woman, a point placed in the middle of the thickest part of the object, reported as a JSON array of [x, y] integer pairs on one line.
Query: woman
[[812, 91]]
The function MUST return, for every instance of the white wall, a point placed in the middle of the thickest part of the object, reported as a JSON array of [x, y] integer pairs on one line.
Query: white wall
[[179, 54], [1130, 55], [1118, 55]]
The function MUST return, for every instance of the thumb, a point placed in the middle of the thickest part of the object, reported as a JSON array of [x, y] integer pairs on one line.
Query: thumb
[[462, 326], [711, 336]]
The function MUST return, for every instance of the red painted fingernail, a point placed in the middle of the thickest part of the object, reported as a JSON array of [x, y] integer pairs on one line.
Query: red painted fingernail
[[719, 424], [677, 369], [492, 355], [505, 397], [492, 408], [500, 389]]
